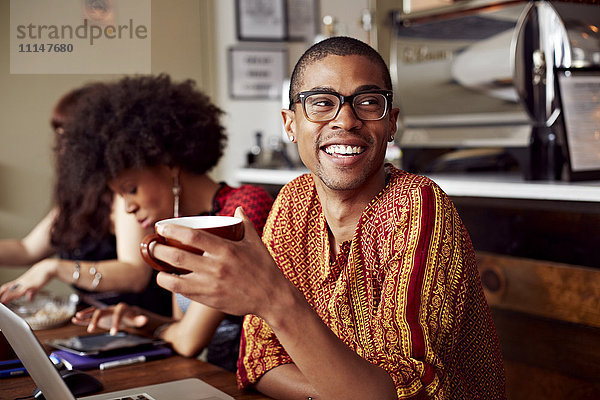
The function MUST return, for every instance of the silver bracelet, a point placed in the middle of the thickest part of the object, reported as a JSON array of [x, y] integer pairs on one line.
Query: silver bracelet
[[77, 271], [97, 277]]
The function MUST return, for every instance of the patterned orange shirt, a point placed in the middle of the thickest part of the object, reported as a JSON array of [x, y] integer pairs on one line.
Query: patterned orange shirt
[[404, 294]]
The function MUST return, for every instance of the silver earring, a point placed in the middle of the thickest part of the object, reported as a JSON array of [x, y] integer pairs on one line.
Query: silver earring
[[292, 138], [392, 138], [176, 193]]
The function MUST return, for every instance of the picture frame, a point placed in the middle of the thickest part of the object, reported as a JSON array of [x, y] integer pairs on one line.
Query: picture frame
[[261, 20], [302, 19], [256, 73]]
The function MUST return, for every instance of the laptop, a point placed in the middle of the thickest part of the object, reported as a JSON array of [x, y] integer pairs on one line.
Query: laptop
[[48, 379]]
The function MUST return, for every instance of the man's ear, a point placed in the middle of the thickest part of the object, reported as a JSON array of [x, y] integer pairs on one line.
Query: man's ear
[[289, 123]]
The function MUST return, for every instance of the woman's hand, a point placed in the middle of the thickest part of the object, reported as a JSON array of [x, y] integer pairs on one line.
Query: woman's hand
[[30, 282], [113, 318]]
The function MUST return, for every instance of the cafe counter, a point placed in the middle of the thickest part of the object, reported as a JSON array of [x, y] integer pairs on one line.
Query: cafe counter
[[511, 186]]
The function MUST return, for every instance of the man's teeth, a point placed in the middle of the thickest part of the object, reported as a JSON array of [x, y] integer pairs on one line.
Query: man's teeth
[[343, 150]]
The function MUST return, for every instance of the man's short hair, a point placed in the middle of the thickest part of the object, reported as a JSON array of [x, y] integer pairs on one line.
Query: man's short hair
[[337, 46]]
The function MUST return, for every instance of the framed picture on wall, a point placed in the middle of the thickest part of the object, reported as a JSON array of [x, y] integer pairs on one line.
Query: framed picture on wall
[[261, 20], [302, 19], [256, 73]]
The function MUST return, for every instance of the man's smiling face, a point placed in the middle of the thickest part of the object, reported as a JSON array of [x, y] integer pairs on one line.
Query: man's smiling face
[[346, 152]]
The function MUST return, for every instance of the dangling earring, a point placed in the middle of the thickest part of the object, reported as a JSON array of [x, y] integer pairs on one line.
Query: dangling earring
[[392, 138], [176, 193]]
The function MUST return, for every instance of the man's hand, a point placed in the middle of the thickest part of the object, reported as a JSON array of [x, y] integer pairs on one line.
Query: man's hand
[[236, 277]]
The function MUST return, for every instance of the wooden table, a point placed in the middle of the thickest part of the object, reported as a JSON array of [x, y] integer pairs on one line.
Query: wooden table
[[148, 373]]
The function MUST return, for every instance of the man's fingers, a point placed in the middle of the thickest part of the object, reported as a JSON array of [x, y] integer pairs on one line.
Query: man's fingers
[[177, 257], [195, 238], [248, 224], [170, 282], [197, 284]]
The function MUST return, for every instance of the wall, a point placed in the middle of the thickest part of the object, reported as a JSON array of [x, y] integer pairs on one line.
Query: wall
[[190, 39], [180, 47], [245, 117]]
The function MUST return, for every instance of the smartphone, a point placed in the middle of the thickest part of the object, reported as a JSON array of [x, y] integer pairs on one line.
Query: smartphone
[[12, 368]]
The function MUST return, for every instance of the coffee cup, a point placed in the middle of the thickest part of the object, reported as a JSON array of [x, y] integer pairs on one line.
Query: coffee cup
[[226, 227]]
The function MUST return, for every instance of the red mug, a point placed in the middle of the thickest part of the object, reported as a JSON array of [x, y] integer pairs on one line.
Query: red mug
[[226, 227]]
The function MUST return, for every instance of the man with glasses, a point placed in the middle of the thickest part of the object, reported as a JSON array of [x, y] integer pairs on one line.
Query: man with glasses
[[369, 288]]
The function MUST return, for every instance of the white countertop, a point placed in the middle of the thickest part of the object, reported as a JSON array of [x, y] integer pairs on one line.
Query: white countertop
[[267, 176], [465, 185], [515, 187]]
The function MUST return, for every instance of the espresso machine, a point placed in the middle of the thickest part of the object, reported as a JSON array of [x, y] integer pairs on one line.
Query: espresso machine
[[500, 86]]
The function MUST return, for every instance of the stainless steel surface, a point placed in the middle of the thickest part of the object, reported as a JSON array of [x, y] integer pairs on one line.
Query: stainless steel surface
[[453, 68], [486, 64], [540, 44]]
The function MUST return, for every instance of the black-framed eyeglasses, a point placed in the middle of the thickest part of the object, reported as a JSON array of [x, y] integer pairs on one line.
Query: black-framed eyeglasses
[[321, 106]]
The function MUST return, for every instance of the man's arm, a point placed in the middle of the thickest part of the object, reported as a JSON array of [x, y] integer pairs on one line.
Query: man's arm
[[333, 369], [285, 381]]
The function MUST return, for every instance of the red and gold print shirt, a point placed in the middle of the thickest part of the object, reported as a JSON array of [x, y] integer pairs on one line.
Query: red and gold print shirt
[[404, 294]]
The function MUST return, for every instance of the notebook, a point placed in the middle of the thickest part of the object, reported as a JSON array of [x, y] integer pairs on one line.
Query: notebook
[[75, 361], [47, 378]]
